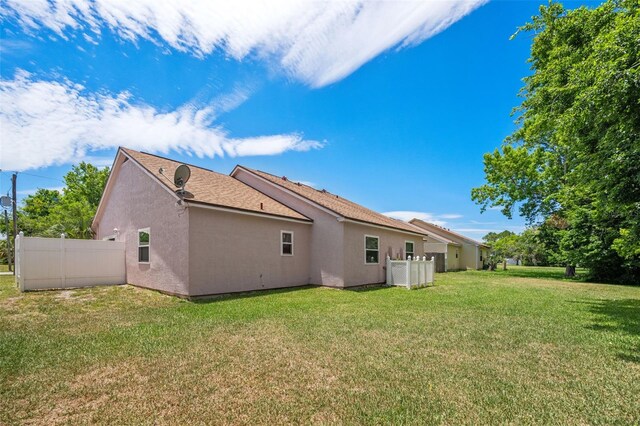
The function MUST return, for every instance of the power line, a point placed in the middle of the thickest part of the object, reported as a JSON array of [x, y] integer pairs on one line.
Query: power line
[[33, 175], [43, 177]]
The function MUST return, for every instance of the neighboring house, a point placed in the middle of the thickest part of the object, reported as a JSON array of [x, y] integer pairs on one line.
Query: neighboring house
[[434, 243], [469, 253], [242, 232]]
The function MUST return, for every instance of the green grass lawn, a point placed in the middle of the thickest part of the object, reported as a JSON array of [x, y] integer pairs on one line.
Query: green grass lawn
[[479, 347]]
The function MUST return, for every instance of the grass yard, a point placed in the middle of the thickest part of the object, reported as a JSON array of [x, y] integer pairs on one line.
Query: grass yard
[[480, 347]]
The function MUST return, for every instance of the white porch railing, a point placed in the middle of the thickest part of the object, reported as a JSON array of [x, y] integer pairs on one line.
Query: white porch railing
[[411, 273]]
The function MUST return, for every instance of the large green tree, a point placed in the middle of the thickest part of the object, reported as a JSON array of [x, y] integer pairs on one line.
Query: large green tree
[[81, 196], [48, 213], [575, 156]]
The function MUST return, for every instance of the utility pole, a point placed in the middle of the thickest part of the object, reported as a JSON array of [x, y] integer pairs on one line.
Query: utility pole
[[14, 204]]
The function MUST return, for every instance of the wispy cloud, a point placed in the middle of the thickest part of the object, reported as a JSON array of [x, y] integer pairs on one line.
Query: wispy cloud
[[56, 122], [31, 191], [407, 215], [476, 222], [318, 42], [306, 182], [481, 232], [10, 47], [230, 101], [450, 216]]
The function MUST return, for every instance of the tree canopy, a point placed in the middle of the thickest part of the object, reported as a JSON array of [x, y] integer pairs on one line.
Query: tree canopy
[[48, 212], [573, 163]]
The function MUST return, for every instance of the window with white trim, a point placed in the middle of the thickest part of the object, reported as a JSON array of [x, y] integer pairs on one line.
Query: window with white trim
[[371, 249], [408, 249], [286, 243], [143, 245]]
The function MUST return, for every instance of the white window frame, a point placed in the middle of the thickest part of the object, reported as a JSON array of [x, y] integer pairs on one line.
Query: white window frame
[[366, 249], [282, 243], [406, 253], [148, 231]]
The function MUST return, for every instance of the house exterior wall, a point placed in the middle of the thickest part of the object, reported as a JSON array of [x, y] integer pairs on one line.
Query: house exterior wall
[[435, 247], [136, 201], [470, 253], [327, 264], [391, 243], [232, 252], [453, 261]]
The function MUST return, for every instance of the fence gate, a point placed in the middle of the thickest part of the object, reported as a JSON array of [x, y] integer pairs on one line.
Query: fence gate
[[440, 261], [47, 263]]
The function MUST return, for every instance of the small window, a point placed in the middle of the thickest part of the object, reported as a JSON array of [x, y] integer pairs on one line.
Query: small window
[[408, 249], [143, 245], [371, 249], [286, 240]]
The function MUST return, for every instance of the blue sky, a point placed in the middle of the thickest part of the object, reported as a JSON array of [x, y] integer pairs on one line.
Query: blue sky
[[389, 104]]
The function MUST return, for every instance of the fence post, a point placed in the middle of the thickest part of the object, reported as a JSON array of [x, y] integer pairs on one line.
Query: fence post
[[408, 273], [63, 274], [17, 260], [433, 268]]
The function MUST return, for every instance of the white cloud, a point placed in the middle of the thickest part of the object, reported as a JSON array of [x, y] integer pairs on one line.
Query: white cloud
[[46, 122], [318, 42], [406, 216], [306, 182], [31, 191], [481, 232], [450, 216]]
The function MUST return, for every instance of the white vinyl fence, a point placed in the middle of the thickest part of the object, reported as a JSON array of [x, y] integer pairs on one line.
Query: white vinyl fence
[[47, 263], [411, 273]]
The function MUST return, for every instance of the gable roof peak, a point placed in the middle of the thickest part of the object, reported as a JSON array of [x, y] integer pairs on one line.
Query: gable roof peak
[[213, 188]]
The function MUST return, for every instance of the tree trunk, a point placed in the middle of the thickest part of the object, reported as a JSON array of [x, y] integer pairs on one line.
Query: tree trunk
[[504, 265], [570, 271]]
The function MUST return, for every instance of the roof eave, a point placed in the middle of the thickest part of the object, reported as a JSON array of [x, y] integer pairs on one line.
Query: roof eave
[[246, 211]]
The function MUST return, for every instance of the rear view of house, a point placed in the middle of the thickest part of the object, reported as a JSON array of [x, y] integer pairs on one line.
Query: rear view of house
[[460, 252], [246, 231]]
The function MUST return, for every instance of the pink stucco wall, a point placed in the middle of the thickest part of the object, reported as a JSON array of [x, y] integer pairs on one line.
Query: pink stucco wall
[[337, 248], [232, 252], [327, 234], [136, 201], [390, 242]]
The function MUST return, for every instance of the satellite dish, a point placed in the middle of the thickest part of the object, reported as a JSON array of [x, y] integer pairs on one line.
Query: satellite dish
[[5, 201], [181, 177]]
